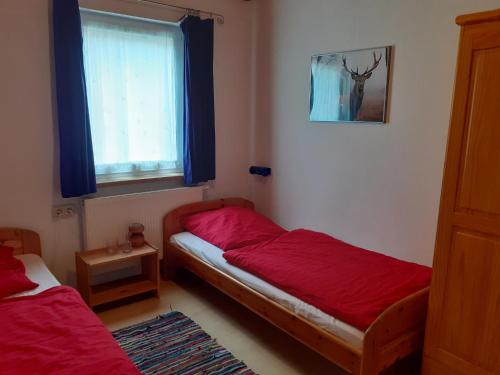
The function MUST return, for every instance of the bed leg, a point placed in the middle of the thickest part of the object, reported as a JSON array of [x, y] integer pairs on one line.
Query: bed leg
[[169, 271], [368, 361], [366, 370], [169, 266]]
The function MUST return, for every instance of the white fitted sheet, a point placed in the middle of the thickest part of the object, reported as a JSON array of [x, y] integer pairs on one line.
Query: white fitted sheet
[[36, 271], [213, 256]]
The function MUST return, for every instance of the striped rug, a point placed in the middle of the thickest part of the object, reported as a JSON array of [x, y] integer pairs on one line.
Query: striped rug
[[174, 344]]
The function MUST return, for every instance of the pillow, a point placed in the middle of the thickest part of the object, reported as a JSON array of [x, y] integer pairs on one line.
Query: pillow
[[12, 274], [232, 227], [7, 259], [14, 281]]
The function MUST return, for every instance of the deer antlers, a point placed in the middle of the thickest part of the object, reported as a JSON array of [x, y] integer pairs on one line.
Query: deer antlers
[[375, 64], [368, 69]]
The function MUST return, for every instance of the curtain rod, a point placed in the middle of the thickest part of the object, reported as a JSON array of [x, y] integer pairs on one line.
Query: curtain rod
[[188, 11]]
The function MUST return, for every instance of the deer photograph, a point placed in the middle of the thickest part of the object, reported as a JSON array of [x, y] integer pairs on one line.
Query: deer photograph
[[350, 86]]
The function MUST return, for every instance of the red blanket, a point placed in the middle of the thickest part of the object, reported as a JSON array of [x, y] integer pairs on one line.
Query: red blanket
[[54, 332], [347, 282]]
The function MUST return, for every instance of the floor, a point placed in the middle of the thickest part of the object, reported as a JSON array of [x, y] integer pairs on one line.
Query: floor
[[263, 347]]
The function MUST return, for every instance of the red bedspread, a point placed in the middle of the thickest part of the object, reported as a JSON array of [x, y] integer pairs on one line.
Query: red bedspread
[[54, 332], [347, 282]]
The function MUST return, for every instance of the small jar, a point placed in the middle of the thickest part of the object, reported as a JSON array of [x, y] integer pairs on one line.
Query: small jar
[[136, 235]]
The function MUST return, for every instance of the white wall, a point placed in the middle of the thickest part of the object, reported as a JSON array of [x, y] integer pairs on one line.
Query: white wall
[[374, 186], [29, 185]]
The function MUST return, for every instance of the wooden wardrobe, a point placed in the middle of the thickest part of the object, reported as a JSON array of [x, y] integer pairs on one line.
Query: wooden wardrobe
[[463, 323]]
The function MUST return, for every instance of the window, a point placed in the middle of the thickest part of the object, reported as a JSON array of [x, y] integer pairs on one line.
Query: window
[[134, 72]]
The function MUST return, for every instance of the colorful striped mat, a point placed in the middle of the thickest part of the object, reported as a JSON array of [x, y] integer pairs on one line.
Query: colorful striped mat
[[174, 344]]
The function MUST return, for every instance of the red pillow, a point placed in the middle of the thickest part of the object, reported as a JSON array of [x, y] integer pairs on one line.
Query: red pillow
[[232, 227], [14, 281], [7, 259], [12, 274]]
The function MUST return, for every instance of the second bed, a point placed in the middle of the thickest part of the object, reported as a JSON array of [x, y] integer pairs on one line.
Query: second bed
[[395, 333]]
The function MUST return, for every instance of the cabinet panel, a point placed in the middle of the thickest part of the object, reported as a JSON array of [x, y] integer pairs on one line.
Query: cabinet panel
[[480, 180], [470, 324]]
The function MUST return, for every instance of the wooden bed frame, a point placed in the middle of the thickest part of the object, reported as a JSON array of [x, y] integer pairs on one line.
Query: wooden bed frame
[[22, 240], [396, 333]]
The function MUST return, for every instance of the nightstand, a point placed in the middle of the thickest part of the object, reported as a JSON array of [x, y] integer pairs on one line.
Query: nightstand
[[147, 281]]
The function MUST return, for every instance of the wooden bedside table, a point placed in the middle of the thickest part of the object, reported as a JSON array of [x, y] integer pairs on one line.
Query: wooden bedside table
[[99, 294]]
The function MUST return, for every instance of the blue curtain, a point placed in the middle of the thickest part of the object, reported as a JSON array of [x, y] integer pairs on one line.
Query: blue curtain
[[199, 118], [75, 142]]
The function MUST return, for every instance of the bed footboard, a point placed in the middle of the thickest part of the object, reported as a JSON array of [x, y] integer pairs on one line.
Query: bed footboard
[[397, 332]]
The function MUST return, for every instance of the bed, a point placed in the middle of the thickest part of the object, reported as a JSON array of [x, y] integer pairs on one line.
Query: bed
[[49, 329], [396, 333]]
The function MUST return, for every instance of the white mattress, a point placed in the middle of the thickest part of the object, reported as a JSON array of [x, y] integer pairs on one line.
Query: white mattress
[[36, 271], [213, 256]]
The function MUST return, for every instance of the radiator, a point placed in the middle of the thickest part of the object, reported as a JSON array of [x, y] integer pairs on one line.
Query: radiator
[[107, 219]]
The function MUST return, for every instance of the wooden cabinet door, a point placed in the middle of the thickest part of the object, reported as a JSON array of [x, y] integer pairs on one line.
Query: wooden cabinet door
[[463, 325]]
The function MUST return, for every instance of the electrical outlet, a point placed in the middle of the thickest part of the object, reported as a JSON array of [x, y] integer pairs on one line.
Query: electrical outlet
[[63, 211]]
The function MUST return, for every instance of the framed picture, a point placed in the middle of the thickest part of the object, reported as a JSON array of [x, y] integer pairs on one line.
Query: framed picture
[[350, 86]]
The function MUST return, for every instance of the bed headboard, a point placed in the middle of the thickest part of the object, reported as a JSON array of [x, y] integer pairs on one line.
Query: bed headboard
[[172, 220], [22, 240]]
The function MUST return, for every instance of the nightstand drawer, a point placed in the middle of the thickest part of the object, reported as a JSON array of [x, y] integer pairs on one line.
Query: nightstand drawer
[[119, 289]]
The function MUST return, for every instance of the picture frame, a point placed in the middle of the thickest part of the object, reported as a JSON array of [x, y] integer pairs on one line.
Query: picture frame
[[350, 86]]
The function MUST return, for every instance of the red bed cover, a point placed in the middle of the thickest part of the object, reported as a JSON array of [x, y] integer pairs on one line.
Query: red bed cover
[[54, 332], [346, 282]]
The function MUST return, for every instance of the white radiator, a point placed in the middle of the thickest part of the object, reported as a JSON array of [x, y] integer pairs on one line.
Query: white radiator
[[107, 219]]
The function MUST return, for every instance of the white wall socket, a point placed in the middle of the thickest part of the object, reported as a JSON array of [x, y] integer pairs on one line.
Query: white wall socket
[[64, 211]]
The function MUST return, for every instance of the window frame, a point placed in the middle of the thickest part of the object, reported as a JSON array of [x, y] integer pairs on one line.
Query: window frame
[[126, 179], [133, 177]]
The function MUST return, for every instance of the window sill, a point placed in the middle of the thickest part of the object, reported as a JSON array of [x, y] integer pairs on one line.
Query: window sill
[[126, 179]]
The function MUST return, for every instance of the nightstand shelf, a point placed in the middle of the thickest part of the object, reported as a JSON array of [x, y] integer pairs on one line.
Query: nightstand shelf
[[94, 295]]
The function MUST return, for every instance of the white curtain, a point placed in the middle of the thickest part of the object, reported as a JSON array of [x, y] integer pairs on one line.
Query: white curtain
[[134, 76]]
